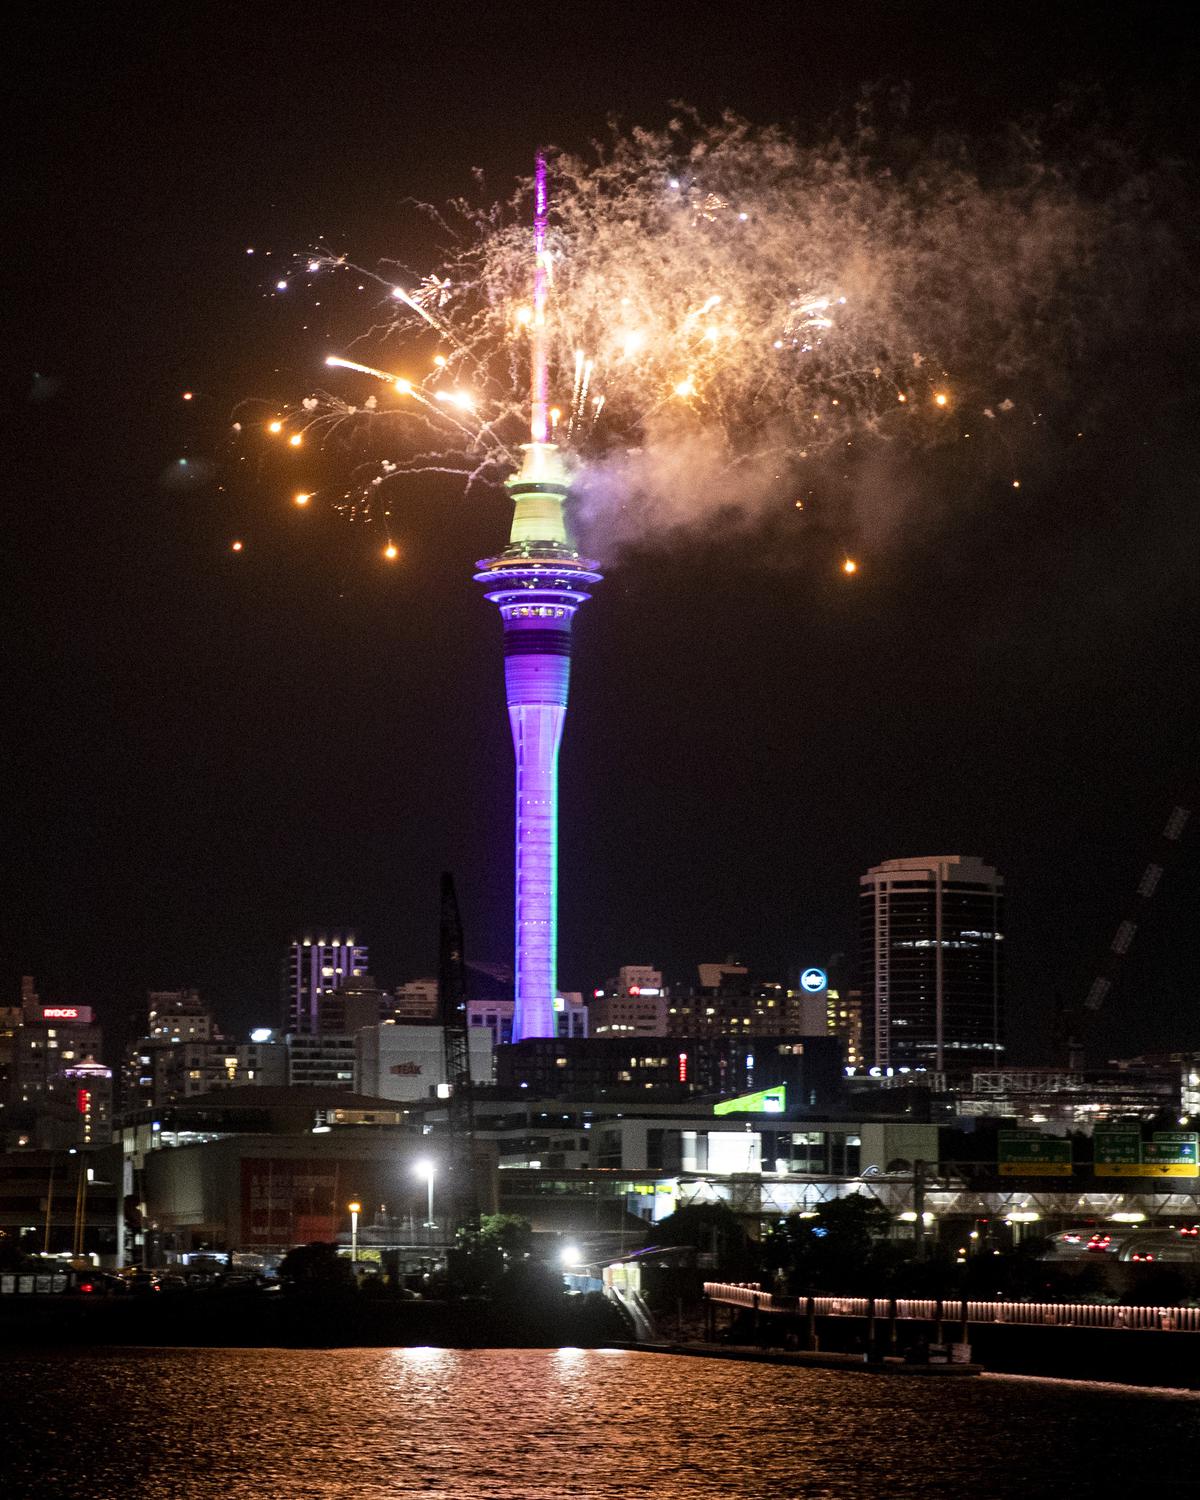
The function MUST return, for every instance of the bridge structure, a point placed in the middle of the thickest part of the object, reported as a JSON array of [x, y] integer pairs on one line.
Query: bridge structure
[[964, 1311]]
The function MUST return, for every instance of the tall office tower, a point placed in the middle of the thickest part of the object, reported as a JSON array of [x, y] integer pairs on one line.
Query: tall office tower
[[314, 968], [537, 582], [931, 969]]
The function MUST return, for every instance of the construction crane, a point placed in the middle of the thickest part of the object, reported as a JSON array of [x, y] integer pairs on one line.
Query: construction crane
[[1163, 852], [452, 1018]]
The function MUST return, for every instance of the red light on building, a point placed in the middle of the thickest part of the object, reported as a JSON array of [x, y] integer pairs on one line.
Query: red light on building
[[83, 1101], [60, 1012], [635, 989], [683, 1067]]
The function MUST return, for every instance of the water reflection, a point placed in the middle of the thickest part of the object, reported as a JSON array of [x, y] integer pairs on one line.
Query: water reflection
[[377, 1424]]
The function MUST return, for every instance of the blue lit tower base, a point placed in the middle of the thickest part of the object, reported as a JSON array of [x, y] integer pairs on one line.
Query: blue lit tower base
[[538, 582]]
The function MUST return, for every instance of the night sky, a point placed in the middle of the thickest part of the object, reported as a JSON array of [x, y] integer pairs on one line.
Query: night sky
[[207, 752]]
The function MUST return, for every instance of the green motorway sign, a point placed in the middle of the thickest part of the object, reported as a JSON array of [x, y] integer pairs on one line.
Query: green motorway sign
[[1120, 1148], [1027, 1153], [1169, 1153]]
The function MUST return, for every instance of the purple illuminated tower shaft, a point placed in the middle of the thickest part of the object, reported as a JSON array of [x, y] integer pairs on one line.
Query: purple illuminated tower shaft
[[538, 582]]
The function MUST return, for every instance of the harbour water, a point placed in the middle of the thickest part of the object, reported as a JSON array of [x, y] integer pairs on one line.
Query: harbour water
[[380, 1424]]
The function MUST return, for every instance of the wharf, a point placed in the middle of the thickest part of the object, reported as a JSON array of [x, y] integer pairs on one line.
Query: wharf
[[807, 1359]]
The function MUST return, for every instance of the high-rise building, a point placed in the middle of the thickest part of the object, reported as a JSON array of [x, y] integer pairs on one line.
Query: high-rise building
[[931, 971], [354, 1004], [316, 967], [84, 1092], [843, 1018], [416, 1001], [157, 1074], [49, 1039], [729, 1001], [632, 1004], [537, 582], [496, 1016], [178, 1016], [322, 1061], [10, 1025]]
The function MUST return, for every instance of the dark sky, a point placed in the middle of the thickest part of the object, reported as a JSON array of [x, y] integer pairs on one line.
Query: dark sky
[[206, 752]]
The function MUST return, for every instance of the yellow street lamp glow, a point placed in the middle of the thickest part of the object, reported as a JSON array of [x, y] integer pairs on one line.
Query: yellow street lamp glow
[[276, 426], [849, 566], [403, 386], [235, 546], [391, 551], [295, 440], [941, 399], [686, 388], [303, 499], [354, 1208]]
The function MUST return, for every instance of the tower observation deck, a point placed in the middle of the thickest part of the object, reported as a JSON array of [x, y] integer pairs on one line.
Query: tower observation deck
[[537, 582]]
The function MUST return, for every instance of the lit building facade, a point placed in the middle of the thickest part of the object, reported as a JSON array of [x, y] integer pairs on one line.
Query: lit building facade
[[325, 1061], [49, 1039], [728, 1001], [409, 1062], [416, 1001], [538, 582], [843, 1018], [178, 1016], [650, 1068], [931, 947], [314, 969]]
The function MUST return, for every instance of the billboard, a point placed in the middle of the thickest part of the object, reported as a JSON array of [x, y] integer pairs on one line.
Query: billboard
[[765, 1102], [292, 1202]]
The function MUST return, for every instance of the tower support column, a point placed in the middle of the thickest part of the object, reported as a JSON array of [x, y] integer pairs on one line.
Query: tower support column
[[538, 582]]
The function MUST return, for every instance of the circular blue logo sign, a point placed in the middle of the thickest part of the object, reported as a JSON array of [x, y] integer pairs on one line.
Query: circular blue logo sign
[[814, 981]]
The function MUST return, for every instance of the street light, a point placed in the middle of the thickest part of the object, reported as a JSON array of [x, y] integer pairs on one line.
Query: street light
[[427, 1169], [355, 1210]]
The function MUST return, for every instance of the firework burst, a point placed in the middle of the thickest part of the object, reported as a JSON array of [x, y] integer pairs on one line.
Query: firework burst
[[707, 302]]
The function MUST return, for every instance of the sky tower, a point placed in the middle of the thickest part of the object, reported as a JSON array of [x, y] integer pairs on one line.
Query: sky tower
[[538, 582]]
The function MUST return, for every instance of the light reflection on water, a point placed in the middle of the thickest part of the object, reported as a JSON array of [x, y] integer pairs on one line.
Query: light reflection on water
[[381, 1424]]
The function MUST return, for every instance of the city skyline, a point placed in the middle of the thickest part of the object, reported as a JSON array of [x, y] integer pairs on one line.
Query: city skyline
[[199, 735]]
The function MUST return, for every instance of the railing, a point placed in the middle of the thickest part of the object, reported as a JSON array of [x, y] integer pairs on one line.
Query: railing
[[999, 1310]]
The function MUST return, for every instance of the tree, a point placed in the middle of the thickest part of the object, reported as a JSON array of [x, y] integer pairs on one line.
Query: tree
[[485, 1255], [316, 1267], [713, 1229], [841, 1247], [511, 1234]]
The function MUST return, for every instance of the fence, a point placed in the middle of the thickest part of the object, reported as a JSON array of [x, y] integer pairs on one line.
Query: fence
[[27, 1284], [951, 1309]]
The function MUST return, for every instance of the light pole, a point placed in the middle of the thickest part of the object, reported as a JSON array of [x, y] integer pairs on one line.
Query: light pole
[[355, 1210], [425, 1168]]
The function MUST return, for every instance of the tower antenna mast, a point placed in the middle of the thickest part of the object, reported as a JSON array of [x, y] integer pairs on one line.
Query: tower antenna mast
[[539, 376]]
